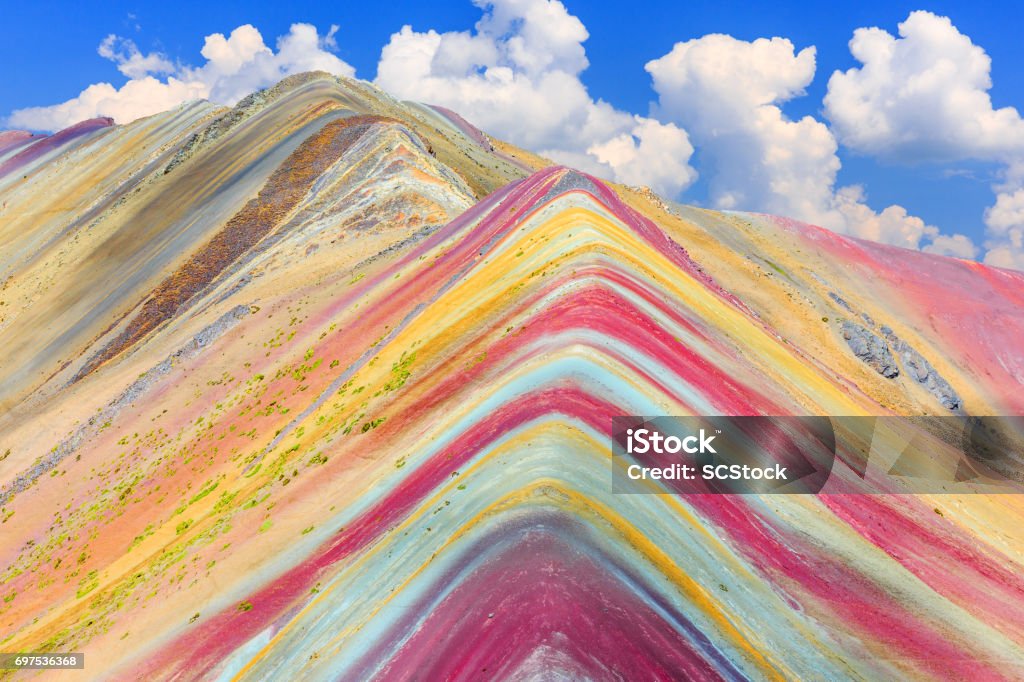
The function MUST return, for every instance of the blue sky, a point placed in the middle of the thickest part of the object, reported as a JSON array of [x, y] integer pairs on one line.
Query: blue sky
[[55, 48]]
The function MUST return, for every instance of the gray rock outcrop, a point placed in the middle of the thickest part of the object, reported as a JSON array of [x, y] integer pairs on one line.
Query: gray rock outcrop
[[871, 349], [920, 370]]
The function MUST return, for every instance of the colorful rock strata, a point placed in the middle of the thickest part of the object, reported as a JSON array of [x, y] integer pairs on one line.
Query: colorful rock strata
[[321, 387]]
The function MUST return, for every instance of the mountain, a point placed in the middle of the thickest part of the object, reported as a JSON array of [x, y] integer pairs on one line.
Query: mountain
[[321, 386]]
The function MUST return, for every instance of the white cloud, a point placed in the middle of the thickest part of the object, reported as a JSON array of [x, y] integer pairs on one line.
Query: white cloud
[[893, 225], [653, 153], [919, 96], [1008, 212], [137, 98], [1005, 223], [235, 66], [1009, 255], [517, 77], [727, 94], [923, 96], [957, 246], [241, 63], [130, 61], [536, 35]]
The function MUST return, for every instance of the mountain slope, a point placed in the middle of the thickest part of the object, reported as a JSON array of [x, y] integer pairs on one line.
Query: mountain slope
[[322, 386]]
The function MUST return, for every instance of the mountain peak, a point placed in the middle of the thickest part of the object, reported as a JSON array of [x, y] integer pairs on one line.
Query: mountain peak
[[321, 385]]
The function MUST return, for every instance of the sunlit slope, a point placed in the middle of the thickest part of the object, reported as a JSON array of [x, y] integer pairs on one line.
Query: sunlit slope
[[313, 390], [963, 317], [90, 232], [364, 468]]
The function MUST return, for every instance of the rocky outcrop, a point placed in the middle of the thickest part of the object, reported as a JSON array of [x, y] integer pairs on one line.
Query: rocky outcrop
[[887, 355], [840, 301], [920, 370], [871, 349]]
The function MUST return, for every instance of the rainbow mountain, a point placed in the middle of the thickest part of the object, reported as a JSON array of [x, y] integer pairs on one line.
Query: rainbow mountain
[[321, 387]]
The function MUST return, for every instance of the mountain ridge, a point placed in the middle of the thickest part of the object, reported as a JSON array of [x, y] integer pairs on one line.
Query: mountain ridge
[[363, 366]]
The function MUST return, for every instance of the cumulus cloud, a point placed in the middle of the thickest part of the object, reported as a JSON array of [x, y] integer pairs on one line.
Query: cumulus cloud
[[241, 63], [137, 98], [652, 153], [1008, 212], [923, 96], [957, 246], [517, 76], [1005, 223], [235, 65], [1007, 255], [130, 61], [727, 94], [892, 225]]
